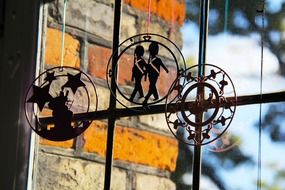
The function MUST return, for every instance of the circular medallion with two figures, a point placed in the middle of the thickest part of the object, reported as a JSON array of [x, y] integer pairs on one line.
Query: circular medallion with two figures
[[144, 68]]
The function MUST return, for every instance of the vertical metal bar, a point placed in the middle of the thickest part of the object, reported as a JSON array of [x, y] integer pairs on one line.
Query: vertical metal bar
[[203, 35], [201, 70], [112, 102]]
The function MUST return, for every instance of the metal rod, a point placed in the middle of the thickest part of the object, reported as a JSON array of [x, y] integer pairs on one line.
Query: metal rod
[[112, 102], [197, 156], [203, 36], [160, 108]]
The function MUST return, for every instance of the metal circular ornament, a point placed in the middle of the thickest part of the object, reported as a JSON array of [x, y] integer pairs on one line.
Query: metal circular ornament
[[54, 98], [185, 105], [144, 67]]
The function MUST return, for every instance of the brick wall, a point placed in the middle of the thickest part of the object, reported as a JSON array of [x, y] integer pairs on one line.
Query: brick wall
[[145, 152]]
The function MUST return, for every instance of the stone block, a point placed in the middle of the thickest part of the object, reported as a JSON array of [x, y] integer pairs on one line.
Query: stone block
[[98, 58], [169, 10], [62, 144], [103, 97], [95, 138], [95, 18], [160, 28], [169, 31], [53, 49], [128, 26], [63, 173], [156, 121], [150, 182], [134, 145]]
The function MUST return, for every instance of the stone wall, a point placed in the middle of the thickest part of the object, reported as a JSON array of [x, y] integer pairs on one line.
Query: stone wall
[[145, 152]]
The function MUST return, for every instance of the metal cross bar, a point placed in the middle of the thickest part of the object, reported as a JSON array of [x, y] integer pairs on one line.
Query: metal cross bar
[[160, 108]]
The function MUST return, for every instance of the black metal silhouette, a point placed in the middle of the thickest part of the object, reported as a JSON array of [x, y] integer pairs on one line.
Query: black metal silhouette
[[153, 71], [171, 54], [54, 100], [40, 96], [50, 77], [186, 104], [138, 71], [73, 82], [62, 116]]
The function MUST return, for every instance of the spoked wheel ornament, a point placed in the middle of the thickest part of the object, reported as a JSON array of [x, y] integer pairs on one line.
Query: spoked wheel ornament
[[53, 99], [211, 97]]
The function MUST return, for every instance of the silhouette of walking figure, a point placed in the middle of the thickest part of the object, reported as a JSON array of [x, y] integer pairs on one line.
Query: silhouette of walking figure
[[153, 70], [138, 71]]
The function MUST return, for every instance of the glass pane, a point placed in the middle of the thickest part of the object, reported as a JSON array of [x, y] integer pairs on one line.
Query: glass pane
[[77, 163], [234, 44], [145, 153]]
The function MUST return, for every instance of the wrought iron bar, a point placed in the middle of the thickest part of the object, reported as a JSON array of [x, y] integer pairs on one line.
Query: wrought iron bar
[[160, 108], [112, 102], [196, 170]]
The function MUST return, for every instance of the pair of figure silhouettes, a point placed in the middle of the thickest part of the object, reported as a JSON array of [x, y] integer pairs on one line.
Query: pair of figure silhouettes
[[150, 70]]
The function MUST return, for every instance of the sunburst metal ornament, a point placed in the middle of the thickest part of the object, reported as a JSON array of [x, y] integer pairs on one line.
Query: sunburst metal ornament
[[59, 93], [216, 105], [145, 66]]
